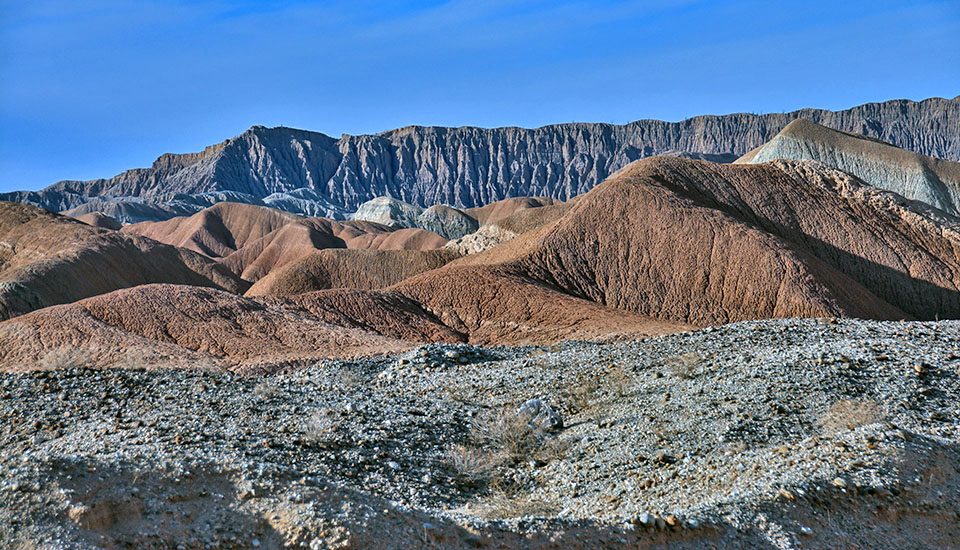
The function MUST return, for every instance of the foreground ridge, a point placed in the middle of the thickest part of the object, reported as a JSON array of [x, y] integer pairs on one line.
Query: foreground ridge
[[788, 433]]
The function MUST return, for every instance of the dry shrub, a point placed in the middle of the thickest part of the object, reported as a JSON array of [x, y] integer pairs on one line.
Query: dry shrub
[[321, 429], [472, 465], [581, 394], [685, 365], [619, 380], [266, 389], [849, 414], [499, 442], [65, 358], [502, 505]]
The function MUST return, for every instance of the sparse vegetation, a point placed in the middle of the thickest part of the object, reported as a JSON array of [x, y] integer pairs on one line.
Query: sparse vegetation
[[685, 365], [266, 389], [321, 429], [498, 442], [581, 394], [65, 358], [849, 414]]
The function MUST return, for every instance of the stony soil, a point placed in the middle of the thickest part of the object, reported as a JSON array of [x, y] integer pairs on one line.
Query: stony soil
[[772, 434]]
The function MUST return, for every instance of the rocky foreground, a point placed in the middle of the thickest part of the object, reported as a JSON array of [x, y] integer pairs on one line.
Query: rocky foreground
[[796, 433]]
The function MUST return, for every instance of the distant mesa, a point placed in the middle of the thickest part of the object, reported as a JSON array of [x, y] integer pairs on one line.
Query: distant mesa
[[315, 175]]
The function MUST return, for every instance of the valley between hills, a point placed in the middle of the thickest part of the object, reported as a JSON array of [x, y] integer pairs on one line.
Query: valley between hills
[[727, 331]]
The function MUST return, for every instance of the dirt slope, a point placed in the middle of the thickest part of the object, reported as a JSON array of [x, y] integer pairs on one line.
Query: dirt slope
[[47, 259]]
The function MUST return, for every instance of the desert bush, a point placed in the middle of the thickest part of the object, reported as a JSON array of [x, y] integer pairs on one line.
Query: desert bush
[[499, 442], [582, 392], [471, 464], [266, 389], [849, 414], [619, 380], [65, 358], [685, 365], [321, 429], [503, 505]]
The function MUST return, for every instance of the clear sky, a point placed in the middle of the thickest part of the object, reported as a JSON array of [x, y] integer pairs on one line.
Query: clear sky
[[89, 88]]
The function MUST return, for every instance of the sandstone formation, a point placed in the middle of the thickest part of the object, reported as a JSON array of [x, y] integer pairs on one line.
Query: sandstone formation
[[916, 177], [47, 259], [717, 243], [310, 172]]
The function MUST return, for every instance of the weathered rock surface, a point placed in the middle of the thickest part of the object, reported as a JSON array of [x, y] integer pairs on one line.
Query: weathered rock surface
[[773, 434], [468, 167], [916, 177], [47, 259]]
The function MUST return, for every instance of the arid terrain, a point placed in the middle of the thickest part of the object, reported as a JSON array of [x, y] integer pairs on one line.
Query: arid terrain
[[228, 350]]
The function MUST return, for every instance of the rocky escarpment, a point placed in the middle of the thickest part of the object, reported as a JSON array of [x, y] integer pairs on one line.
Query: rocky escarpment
[[310, 172]]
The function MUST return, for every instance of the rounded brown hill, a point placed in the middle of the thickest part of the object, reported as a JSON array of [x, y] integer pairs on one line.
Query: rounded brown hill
[[253, 240], [306, 236], [496, 211], [192, 327], [99, 219], [701, 243], [47, 259], [708, 243], [362, 269], [217, 231], [343, 268]]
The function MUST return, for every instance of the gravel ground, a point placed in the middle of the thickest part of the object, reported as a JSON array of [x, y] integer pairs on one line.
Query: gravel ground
[[772, 434]]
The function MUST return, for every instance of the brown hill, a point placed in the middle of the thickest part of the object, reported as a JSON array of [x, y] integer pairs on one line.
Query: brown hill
[[181, 326], [705, 243], [253, 240], [496, 211], [217, 231], [99, 219], [700, 243], [343, 268], [304, 237], [47, 259]]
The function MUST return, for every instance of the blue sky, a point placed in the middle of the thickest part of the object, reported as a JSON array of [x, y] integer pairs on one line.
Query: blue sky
[[90, 88]]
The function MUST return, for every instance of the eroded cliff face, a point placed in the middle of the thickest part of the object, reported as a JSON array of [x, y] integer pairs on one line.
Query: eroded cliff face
[[467, 167]]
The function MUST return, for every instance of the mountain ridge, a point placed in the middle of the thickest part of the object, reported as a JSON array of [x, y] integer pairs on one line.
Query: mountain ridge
[[470, 166]]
